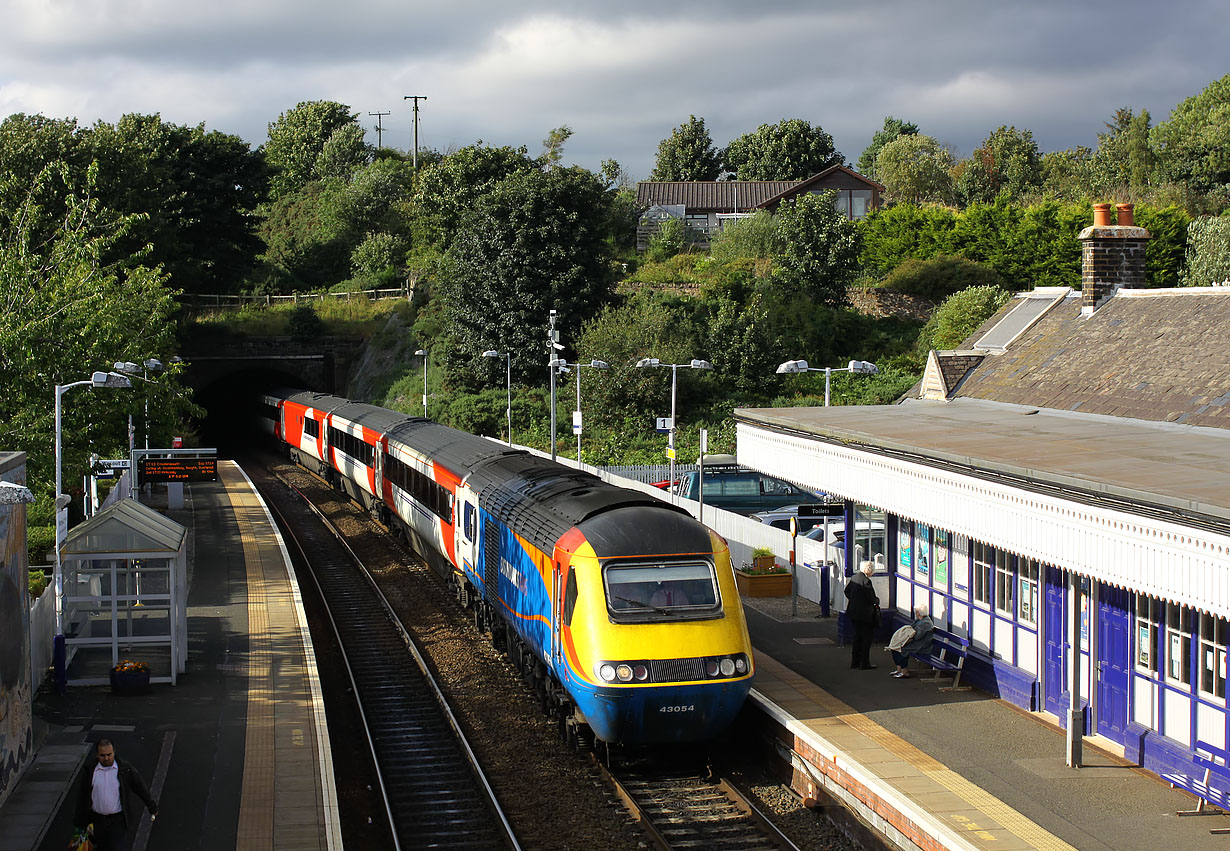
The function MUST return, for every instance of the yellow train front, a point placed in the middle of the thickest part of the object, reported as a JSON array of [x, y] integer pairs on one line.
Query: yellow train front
[[653, 643]]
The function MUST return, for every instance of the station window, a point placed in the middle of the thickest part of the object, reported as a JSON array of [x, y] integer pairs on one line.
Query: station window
[[1004, 583], [1148, 617], [1213, 640], [984, 558], [1027, 602], [1178, 644]]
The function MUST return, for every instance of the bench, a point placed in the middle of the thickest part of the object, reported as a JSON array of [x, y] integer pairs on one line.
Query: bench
[[1213, 760], [947, 656]]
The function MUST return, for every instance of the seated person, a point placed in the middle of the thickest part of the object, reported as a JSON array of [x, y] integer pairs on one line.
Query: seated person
[[921, 641], [668, 596]]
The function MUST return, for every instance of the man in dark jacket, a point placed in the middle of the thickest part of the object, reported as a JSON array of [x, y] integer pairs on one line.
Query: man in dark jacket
[[862, 606], [105, 798]]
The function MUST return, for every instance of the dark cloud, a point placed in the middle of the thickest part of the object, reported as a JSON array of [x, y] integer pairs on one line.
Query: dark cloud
[[621, 75]]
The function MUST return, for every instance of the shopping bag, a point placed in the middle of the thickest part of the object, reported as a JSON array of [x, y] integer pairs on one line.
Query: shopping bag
[[81, 840]]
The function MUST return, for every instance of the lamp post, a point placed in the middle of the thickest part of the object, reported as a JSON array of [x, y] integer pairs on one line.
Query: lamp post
[[492, 353], [644, 363], [98, 379], [422, 353], [576, 415], [860, 366], [145, 367]]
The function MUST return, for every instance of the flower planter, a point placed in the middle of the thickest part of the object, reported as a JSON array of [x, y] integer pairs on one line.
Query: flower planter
[[129, 682], [763, 584]]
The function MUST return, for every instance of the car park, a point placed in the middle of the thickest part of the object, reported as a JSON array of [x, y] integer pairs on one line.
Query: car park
[[742, 490]]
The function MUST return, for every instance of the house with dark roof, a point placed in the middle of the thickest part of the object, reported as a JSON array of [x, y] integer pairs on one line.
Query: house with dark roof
[[1057, 492], [705, 205]]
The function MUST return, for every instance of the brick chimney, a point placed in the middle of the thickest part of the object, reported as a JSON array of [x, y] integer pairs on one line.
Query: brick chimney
[[1112, 256]]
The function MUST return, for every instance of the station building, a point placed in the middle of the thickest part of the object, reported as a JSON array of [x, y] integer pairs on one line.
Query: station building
[[1069, 465]]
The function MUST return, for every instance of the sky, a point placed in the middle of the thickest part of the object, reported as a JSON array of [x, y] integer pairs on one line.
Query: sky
[[623, 75]]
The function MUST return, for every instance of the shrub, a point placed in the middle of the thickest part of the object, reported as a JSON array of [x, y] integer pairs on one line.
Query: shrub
[[959, 316], [672, 237], [753, 237], [38, 583], [938, 278], [304, 324], [1208, 252]]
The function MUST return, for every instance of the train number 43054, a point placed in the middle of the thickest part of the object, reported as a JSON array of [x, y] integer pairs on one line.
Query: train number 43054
[[688, 708]]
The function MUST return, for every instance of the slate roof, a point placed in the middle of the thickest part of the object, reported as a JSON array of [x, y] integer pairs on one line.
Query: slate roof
[[1157, 354], [710, 196]]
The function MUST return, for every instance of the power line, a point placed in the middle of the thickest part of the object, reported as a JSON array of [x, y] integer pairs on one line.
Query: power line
[[416, 99]]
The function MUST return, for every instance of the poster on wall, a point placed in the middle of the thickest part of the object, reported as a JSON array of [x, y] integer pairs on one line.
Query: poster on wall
[[16, 689], [940, 558], [923, 563], [1142, 646], [905, 545], [960, 566]]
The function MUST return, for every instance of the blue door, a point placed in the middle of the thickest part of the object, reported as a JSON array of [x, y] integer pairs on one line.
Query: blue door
[[1114, 628], [1053, 668]]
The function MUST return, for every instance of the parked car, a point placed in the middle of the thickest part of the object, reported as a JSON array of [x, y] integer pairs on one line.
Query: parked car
[[807, 516], [742, 490], [869, 535]]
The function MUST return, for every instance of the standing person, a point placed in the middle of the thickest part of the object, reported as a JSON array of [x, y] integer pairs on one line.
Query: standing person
[[924, 631], [862, 607], [105, 798]]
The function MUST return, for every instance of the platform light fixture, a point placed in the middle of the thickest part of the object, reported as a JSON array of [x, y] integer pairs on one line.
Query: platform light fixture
[[422, 353], [859, 366], [648, 363]]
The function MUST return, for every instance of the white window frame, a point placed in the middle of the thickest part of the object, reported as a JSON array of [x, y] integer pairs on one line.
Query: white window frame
[[984, 560], [1027, 589], [1178, 647], [1005, 584], [1214, 636], [1148, 624]]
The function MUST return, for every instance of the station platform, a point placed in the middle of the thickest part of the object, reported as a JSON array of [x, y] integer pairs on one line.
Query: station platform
[[939, 769], [238, 752]]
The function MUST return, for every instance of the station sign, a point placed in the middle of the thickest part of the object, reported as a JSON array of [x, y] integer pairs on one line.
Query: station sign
[[663, 424], [576, 422], [108, 468], [823, 509], [177, 469]]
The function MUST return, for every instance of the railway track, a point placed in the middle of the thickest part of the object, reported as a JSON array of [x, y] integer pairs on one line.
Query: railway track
[[682, 809], [435, 793]]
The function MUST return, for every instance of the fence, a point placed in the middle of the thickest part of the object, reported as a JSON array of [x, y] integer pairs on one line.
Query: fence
[[218, 302], [647, 473]]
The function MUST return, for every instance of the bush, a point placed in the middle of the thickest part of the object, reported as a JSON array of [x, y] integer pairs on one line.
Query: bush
[[959, 316], [672, 237], [753, 237], [1208, 252], [38, 583], [304, 324], [938, 278]]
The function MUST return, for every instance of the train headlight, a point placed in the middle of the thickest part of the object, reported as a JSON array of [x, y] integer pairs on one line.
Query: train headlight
[[640, 672], [607, 672], [741, 664], [624, 673], [728, 667], [711, 667]]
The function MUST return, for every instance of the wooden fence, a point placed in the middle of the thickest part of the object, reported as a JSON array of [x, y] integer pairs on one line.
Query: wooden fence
[[219, 302]]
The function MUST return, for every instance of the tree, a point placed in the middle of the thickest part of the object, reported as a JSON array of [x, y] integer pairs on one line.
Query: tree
[[553, 145], [297, 139], [1067, 175], [790, 150], [959, 316], [1124, 159], [1193, 145], [820, 249], [688, 154], [534, 242], [1007, 162], [915, 169], [893, 128], [446, 190], [1208, 252], [344, 152]]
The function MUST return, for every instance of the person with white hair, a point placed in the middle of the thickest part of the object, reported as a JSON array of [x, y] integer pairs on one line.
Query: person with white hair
[[918, 640], [863, 610]]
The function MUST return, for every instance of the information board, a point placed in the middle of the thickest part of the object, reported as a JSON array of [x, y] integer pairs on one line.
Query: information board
[[177, 470]]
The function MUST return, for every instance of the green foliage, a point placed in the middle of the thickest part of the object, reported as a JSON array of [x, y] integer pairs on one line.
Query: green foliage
[[892, 235], [915, 169], [790, 150], [304, 324], [1124, 161], [1067, 175], [688, 154], [536, 241], [1007, 163], [755, 236], [672, 237], [1166, 250], [378, 258], [297, 140], [1193, 145], [819, 248], [894, 128], [959, 316], [448, 189], [939, 277], [1208, 252], [344, 151], [301, 250], [553, 145], [38, 582]]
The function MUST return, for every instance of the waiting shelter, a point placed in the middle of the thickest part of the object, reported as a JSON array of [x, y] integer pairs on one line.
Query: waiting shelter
[[125, 594]]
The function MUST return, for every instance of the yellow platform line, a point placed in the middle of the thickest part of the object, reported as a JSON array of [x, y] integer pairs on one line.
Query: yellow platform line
[[979, 799]]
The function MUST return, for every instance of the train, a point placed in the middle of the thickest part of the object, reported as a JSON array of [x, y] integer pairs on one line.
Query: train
[[619, 609]]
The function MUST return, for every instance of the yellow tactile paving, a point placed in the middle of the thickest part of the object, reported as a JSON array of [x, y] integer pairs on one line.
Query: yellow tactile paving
[[285, 805], [981, 819]]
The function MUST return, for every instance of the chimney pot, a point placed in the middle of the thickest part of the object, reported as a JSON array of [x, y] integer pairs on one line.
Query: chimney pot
[[1101, 215], [1124, 216]]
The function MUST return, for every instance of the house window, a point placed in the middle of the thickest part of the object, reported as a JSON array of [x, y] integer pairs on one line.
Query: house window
[[1148, 617], [984, 559], [1004, 584], [1213, 640], [860, 203], [1027, 602], [1178, 645]]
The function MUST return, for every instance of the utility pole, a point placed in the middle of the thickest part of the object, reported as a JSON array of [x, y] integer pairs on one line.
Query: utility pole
[[416, 99], [552, 345], [379, 137]]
